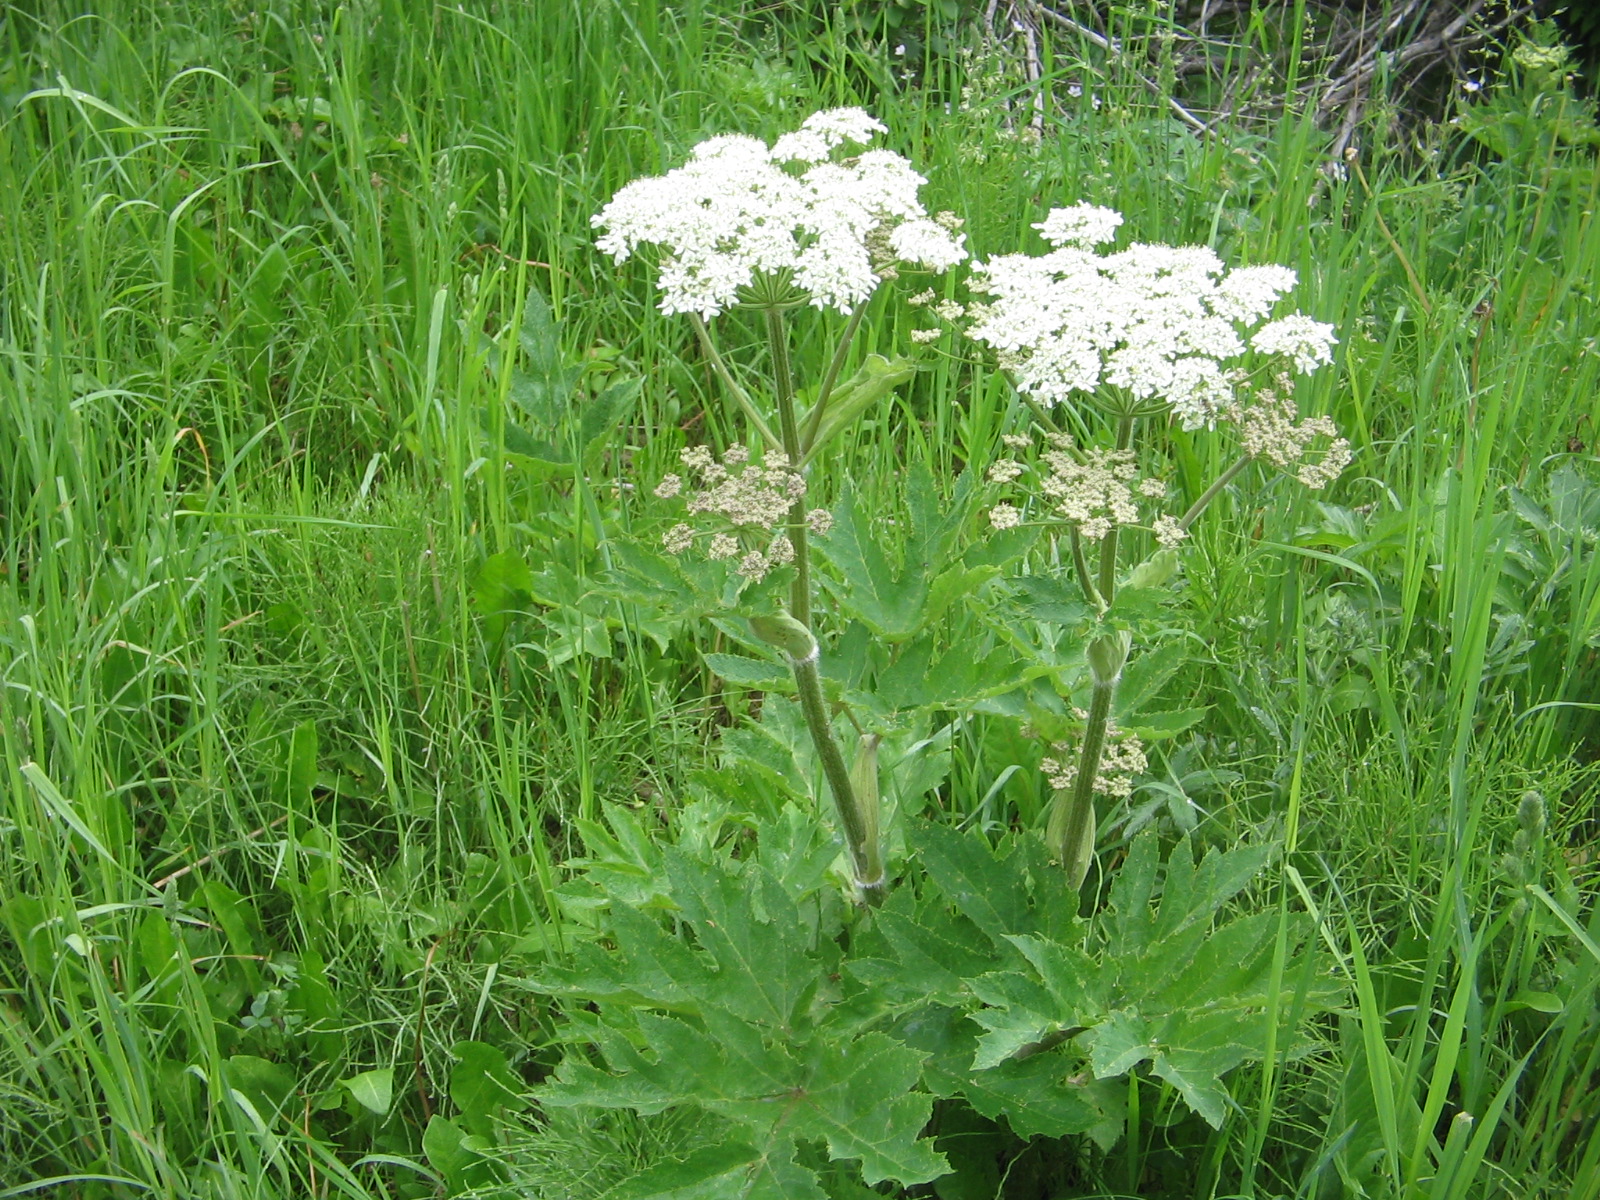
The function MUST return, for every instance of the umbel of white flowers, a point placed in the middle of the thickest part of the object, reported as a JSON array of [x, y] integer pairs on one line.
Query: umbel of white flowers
[[822, 228], [1157, 323]]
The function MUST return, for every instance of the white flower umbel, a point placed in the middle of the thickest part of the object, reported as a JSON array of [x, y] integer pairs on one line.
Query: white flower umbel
[[1309, 343], [1146, 332], [1158, 323], [738, 210]]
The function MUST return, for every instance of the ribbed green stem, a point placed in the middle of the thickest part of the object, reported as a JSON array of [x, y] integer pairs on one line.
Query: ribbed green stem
[[865, 861], [825, 392], [1108, 545], [783, 390], [1080, 564], [1210, 494], [1075, 858]]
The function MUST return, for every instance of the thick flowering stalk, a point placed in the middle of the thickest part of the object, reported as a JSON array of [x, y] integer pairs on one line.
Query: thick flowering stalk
[[1071, 828], [815, 219], [851, 796], [1146, 332]]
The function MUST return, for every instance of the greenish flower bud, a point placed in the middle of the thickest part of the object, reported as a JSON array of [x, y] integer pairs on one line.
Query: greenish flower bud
[[864, 786], [1076, 859], [1531, 814], [1107, 654], [787, 634], [1514, 867], [1155, 571]]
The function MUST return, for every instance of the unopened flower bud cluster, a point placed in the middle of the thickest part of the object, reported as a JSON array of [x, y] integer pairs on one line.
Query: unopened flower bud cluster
[[1121, 761], [1271, 428], [755, 498], [1093, 490]]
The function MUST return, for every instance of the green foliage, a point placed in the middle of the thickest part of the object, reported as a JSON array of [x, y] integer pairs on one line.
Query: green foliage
[[897, 600], [735, 986], [566, 408], [739, 1023], [276, 825]]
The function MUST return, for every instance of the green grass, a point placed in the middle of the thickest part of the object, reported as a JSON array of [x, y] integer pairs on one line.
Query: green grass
[[280, 810]]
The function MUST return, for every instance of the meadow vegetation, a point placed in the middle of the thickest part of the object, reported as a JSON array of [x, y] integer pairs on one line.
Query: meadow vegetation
[[385, 814]]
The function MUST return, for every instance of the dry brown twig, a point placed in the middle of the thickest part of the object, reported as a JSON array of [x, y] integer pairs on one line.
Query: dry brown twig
[[1407, 42]]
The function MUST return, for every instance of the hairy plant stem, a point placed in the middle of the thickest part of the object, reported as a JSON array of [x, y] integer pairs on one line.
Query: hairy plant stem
[[1076, 841], [1108, 545], [865, 861], [1080, 564], [741, 397], [1075, 856], [1211, 493], [783, 387], [825, 392]]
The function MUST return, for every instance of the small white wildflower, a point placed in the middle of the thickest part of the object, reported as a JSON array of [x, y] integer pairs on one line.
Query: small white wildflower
[[723, 545], [949, 310], [1082, 225], [1094, 529], [1317, 475], [669, 487], [1016, 441], [1271, 428], [699, 460], [734, 211], [819, 521], [1004, 471], [927, 296], [926, 244], [1152, 488], [1248, 293], [781, 551], [753, 565], [1121, 759], [1158, 322], [923, 337]]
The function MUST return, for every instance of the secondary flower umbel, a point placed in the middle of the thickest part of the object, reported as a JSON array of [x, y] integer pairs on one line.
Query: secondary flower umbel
[[794, 212], [754, 499], [1093, 490], [1156, 322]]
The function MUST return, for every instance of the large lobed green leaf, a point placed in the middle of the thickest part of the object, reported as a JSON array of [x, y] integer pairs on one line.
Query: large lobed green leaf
[[730, 1020], [724, 987]]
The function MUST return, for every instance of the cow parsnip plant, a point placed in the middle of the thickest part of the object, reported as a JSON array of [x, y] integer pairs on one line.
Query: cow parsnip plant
[[814, 1028], [1144, 334], [773, 229]]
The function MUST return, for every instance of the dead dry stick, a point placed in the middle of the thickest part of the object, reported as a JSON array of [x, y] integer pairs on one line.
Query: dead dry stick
[[1110, 47], [202, 861], [1354, 159]]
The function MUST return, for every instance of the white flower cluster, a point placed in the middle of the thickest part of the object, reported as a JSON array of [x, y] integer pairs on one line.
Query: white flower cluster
[[754, 498], [1155, 321], [1121, 759], [1093, 490], [738, 209]]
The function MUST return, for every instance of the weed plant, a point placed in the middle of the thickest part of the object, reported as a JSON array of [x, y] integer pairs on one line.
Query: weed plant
[[337, 724]]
